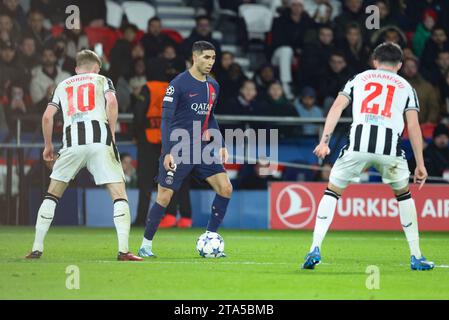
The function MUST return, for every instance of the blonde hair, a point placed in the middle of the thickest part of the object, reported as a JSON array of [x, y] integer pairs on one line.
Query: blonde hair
[[87, 57]]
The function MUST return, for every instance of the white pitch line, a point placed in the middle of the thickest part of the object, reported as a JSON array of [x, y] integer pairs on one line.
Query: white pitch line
[[207, 261]]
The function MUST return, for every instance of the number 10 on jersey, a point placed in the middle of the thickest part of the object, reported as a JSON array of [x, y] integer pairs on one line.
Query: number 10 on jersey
[[82, 105]]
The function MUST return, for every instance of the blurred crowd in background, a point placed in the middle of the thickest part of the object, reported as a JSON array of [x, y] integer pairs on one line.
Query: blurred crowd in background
[[296, 69]]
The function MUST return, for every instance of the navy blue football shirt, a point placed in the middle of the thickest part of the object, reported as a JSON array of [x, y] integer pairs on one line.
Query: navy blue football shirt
[[187, 100]]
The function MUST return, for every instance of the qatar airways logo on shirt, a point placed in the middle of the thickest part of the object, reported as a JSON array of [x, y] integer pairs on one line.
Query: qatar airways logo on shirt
[[201, 108]]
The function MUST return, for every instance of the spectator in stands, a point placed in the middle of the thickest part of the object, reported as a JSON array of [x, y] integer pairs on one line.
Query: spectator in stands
[[423, 31], [36, 28], [8, 31], [436, 43], [306, 108], [76, 40], [444, 90], [53, 10], [45, 77], [66, 63], [121, 54], [288, 33], [354, 49], [276, 103], [167, 66], [333, 79], [13, 83], [154, 41], [320, 9], [124, 91], [415, 9], [436, 154], [137, 80], [13, 9], [128, 170], [222, 69], [436, 74], [245, 103], [10, 64], [389, 34], [263, 77], [201, 32], [312, 67], [427, 95], [385, 13], [230, 86], [28, 55], [352, 12]]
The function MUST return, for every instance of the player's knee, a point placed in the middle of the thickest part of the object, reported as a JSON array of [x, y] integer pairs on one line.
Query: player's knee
[[401, 191], [164, 197], [225, 190]]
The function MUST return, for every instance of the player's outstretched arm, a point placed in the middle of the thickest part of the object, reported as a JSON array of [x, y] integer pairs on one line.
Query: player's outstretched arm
[[414, 133], [47, 131], [111, 111], [322, 150]]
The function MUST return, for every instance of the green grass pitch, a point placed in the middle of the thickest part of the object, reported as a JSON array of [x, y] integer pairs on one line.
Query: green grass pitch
[[260, 265]]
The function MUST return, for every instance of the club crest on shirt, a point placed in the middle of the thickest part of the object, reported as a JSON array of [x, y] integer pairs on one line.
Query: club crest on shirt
[[170, 91], [213, 96]]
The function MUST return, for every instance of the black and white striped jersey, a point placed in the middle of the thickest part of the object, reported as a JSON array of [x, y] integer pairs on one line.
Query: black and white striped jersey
[[81, 99], [379, 100]]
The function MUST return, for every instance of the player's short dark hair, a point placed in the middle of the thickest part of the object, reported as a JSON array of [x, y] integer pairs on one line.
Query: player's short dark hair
[[389, 53], [201, 46], [202, 17], [155, 18]]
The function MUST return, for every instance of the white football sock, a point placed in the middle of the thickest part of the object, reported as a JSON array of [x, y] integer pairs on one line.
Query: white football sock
[[325, 214], [122, 221], [146, 243], [409, 221], [44, 218]]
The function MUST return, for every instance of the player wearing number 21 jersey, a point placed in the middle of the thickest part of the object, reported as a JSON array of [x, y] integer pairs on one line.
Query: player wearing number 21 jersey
[[380, 99], [89, 107]]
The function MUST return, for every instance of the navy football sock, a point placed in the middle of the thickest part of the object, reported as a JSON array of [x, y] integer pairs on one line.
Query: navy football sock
[[154, 218], [218, 212]]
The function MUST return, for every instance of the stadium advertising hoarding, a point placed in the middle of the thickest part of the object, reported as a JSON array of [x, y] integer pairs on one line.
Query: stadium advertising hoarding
[[362, 207]]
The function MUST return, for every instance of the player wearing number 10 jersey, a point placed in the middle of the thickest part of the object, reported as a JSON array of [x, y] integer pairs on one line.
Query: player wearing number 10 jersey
[[380, 99], [89, 108]]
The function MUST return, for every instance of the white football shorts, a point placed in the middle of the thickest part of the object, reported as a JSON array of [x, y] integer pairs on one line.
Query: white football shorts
[[351, 164], [100, 159]]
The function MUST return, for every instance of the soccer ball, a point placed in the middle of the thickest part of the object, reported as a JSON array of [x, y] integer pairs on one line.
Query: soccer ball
[[210, 245]]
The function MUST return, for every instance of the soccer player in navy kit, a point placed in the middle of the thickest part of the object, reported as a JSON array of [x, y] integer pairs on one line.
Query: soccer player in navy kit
[[189, 100]]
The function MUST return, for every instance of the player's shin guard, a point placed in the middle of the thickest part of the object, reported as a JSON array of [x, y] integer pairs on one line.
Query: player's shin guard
[[154, 218], [122, 222], [44, 218], [218, 212], [324, 217], [409, 221]]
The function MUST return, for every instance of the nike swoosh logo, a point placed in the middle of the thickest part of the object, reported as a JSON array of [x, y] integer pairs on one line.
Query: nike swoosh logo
[[323, 218], [407, 225], [191, 95]]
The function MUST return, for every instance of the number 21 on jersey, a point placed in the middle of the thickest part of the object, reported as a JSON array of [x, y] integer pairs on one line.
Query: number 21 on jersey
[[373, 108], [85, 98]]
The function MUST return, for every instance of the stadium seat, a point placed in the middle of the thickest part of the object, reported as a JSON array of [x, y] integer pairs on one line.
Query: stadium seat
[[103, 35], [173, 34], [56, 30], [138, 13], [114, 14], [258, 19]]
